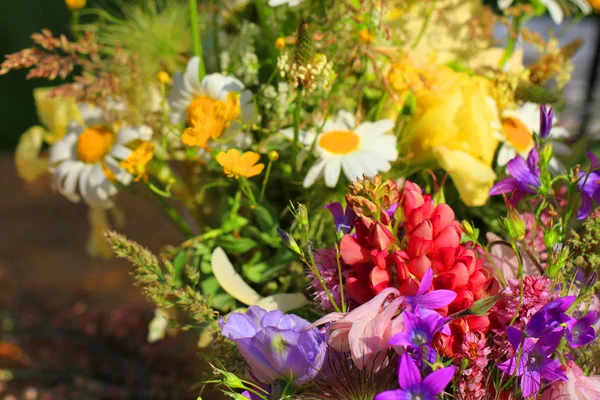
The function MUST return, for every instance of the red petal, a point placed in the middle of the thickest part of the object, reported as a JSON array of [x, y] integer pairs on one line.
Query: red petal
[[418, 266], [352, 252]]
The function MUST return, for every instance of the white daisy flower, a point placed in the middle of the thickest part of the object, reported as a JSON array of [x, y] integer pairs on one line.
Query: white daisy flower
[[85, 163], [519, 127], [216, 104], [364, 149], [555, 9], [291, 3]]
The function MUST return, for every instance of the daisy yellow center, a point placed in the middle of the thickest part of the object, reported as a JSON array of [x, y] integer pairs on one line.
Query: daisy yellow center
[[94, 143], [340, 142], [517, 134]]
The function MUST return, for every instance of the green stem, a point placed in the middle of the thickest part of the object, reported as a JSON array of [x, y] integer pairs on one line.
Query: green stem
[[425, 25], [313, 266], [265, 181], [265, 14], [521, 283], [173, 215], [512, 41], [195, 25], [75, 23], [297, 115], [216, 33], [340, 277]]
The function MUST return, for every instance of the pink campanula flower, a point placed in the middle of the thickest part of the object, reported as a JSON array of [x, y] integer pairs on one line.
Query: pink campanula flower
[[576, 387]]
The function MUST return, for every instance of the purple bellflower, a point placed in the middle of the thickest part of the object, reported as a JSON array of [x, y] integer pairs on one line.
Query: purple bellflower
[[535, 362], [580, 331], [424, 302], [344, 220], [546, 120], [549, 317], [524, 177], [413, 386], [589, 187], [418, 331], [276, 346]]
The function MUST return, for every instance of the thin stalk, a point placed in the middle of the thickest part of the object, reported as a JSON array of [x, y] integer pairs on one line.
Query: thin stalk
[[521, 283], [195, 25], [313, 267], [75, 23], [340, 277], [215, 32], [173, 215], [425, 25], [297, 115], [512, 41], [265, 181]]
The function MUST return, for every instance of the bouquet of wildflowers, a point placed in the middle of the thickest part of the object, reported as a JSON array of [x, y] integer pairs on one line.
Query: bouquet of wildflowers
[[318, 157]]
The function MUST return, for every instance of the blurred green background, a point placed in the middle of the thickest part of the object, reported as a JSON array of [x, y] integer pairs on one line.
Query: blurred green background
[[18, 20]]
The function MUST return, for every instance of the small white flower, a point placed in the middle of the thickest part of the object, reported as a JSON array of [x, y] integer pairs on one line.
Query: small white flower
[[189, 93], [85, 163], [554, 8], [518, 129], [366, 149], [291, 3]]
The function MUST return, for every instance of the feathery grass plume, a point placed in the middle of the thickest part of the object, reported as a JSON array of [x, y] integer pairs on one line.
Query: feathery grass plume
[[157, 31], [161, 283]]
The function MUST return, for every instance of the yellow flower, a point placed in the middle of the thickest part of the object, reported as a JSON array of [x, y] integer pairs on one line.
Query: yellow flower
[[455, 124], [365, 36], [280, 43], [595, 5], [55, 113], [235, 164], [209, 118], [138, 160], [75, 4], [163, 77]]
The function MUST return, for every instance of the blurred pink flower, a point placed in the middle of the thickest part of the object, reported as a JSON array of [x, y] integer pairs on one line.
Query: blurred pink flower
[[366, 330], [576, 387]]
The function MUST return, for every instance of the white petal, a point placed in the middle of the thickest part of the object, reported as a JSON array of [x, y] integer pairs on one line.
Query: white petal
[[346, 119], [505, 154], [91, 114], [504, 4], [314, 173], [375, 129], [65, 179], [230, 280], [191, 78], [367, 164], [352, 168], [247, 106], [120, 151], [375, 160], [585, 7], [555, 11], [332, 171], [120, 173], [64, 149], [558, 132]]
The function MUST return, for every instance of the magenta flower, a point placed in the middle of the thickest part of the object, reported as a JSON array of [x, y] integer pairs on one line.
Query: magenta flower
[[524, 177], [344, 220], [581, 332], [535, 362], [276, 346], [549, 317], [413, 386], [423, 302]]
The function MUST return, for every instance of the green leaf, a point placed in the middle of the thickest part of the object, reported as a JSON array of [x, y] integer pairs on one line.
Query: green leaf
[[234, 245], [233, 222], [264, 219], [179, 263]]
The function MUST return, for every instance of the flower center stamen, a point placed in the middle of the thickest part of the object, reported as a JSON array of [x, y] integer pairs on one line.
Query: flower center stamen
[[340, 142], [208, 118], [517, 134], [94, 143]]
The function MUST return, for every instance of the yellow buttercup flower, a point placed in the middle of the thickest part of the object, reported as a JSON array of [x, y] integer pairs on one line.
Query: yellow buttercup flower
[[75, 4], [456, 124], [209, 118], [138, 160], [236, 164], [163, 77]]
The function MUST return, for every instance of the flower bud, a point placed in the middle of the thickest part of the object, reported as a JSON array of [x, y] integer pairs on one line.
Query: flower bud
[[273, 155], [304, 52], [75, 4], [280, 43], [163, 77], [513, 222], [289, 241], [302, 217]]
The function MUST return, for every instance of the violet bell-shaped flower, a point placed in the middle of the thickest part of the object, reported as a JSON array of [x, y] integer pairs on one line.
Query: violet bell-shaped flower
[[424, 301], [413, 386], [546, 121], [589, 187], [581, 331], [549, 317], [366, 330], [534, 362], [276, 346], [343, 220], [524, 177]]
